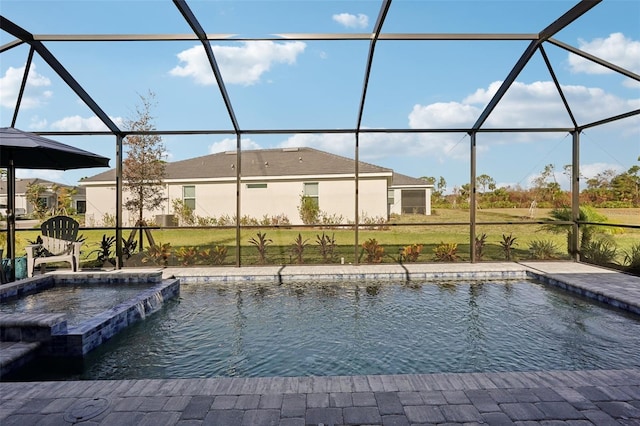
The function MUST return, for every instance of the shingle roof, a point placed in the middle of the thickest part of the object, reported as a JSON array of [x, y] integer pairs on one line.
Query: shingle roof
[[404, 180], [21, 185], [256, 163]]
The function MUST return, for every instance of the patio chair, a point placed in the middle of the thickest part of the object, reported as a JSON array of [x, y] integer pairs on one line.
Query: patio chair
[[59, 235]]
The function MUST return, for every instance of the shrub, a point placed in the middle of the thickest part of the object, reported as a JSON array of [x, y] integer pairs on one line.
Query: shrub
[[187, 255], [184, 212], [261, 243], [479, 244], [108, 220], [129, 247], [599, 251], [446, 252], [410, 253], [543, 249], [158, 254], [632, 259], [308, 210], [104, 251], [297, 249], [373, 250], [215, 256], [326, 246], [507, 244]]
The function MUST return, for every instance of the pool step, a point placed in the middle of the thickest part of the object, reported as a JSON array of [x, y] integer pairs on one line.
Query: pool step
[[14, 355]]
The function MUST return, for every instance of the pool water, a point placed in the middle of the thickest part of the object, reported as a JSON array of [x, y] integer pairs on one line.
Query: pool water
[[258, 330], [79, 302]]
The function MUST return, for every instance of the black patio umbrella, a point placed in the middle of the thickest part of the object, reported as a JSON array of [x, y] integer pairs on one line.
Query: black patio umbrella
[[26, 150]]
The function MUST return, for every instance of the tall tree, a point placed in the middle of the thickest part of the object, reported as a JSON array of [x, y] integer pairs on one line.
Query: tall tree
[[33, 195], [486, 182], [144, 167]]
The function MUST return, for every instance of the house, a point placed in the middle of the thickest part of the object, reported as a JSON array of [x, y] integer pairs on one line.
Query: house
[[272, 183], [48, 198]]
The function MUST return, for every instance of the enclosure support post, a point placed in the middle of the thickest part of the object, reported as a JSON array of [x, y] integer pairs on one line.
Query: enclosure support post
[[472, 199], [119, 203], [356, 243], [575, 196], [238, 187]]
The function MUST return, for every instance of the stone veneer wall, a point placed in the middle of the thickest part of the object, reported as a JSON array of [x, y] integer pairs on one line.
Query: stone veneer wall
[[52, 330], [80, 340]]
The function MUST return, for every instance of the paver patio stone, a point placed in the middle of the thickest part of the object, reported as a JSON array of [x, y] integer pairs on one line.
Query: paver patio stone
[[224, 402], [223, 417], [424, 414], [388, 403], [600, 418], [461, 413], [247, 402], [619, 409], [296, 421], [481, 399], [340, 399], [522, 411], [329, 416], [271, 401], [363, 399], [395, 420], [497, 419], [293, 405], [150, 403], [318, 400], [559, 410], [197, 408], [410, 398], [455, 397], [158, 418], [267, 417], [433, 397], [361, 415]]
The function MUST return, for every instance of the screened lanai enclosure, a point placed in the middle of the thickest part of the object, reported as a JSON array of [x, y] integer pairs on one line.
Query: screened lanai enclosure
[[335, 132]]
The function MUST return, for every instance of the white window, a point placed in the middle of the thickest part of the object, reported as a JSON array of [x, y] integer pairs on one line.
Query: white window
[[311, 191], [189, 196]]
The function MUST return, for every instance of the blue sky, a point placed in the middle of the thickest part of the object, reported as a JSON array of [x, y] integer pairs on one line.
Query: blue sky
[[318, 84]]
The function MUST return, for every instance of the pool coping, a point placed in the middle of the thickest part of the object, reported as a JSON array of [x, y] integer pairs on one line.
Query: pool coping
[[614, 288]]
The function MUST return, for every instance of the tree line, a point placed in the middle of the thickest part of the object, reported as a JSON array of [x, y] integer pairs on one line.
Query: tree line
[[606, 189]]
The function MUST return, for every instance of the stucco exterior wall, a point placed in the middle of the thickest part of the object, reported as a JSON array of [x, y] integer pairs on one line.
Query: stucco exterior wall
[[215, 199]]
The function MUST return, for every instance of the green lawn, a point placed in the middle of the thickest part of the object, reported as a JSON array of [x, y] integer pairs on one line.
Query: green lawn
[[428, 231]]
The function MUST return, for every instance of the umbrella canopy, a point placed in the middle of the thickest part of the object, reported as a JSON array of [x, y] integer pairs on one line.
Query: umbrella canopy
[[30, 151], [26, 150]]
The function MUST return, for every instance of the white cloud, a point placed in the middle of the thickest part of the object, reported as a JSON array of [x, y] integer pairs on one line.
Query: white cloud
[[35, 93], [77, 123], [537, 104], [52, 175], [591, 170], [377, 146], [244, 64], [229, 144], [616, 48], [351, 21]]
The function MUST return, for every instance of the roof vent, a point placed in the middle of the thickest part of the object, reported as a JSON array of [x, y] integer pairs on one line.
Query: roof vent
[[290, 149], [230, 152]]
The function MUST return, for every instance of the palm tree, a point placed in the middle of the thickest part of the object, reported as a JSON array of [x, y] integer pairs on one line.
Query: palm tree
[[586, 232]]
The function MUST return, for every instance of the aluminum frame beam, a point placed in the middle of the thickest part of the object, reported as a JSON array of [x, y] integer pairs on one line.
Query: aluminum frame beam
[[59, 69], [566, 19]]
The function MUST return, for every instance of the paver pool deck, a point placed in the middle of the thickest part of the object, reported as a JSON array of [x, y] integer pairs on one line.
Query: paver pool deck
[[601, 397]]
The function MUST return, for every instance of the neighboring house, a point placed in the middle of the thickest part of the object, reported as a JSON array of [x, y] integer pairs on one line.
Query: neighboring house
[[272, 183], [49, 198]]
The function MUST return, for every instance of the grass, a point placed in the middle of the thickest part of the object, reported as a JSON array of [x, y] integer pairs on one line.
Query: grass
[[429, 231]]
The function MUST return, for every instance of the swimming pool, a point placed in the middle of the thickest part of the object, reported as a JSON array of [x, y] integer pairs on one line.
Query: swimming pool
[[300, 329]]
